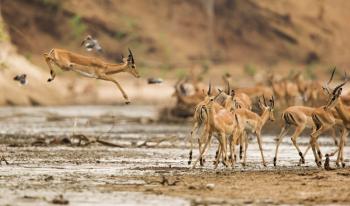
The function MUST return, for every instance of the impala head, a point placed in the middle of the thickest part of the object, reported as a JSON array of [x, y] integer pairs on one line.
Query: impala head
[[334, 96], [213, 98], [335, 93], [131, 66], [268, 107]]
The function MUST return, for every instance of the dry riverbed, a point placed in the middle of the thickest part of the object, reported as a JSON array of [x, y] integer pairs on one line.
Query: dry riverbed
[[53, 151]]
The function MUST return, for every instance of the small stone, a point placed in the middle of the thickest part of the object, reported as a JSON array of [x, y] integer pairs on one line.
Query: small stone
[[210, 186], [192, 187]]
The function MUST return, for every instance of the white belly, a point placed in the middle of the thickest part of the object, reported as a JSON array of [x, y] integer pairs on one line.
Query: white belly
[[86, 74]]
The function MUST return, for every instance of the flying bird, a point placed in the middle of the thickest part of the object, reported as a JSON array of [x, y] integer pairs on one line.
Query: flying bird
[[91, 43], [21, 79], [154, 80]]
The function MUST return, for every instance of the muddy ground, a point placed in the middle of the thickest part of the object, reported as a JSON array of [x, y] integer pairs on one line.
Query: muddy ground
[[145, 162]]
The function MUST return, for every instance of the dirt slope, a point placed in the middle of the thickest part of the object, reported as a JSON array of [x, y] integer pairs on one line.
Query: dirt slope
[[178, 32]]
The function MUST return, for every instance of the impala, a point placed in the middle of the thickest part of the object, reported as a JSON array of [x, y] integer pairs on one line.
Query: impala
[[222, 122], [301, 118], [251, 122], [91, 67], [324, 119], [200, 118]]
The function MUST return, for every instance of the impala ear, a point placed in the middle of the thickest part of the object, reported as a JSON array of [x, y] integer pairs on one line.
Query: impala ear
[[233, 93], [131, 56], [260, 104], [228, 88], [264, 100]]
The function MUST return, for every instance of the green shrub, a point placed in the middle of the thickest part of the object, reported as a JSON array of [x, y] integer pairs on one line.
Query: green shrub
[[250, 70], [78, 26]]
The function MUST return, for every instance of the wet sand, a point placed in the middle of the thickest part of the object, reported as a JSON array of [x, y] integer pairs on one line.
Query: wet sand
[[150, 167]]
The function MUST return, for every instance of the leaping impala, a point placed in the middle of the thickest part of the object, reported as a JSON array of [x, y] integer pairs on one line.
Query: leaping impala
[[91, 67]]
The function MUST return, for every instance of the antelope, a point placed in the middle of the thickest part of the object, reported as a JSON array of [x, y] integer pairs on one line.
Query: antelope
[[283, 89], [200, 117], [310, 91], [91, 67], [241, 99], [301, 118], [324, 119], [185, 99], [251, 122], [222, 122]]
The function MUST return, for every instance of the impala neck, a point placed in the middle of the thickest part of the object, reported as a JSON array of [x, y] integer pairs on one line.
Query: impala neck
[[264, 116], [117, 68], [211, 113], [343, 113]]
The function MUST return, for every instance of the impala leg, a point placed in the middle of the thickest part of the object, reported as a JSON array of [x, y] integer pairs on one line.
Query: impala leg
[[217, 159], [195, 126], [258, 137], [49, 63], [221, 153], [341, 147], [201, 150], [283, 132], [237, 136], [108, 78], [232, 156], [294, 138], [224, 150], [244, 135], [313, 140], [208, 138], [217, 153], [308, 146], [241, 143], [334, 136]]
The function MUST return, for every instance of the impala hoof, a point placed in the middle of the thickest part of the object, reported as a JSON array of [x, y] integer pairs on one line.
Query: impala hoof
[[49, 80], [274, 161], [127, 102], [343, 164]]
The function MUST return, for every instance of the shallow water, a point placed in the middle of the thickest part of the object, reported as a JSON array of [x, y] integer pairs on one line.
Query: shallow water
[[77, 169]]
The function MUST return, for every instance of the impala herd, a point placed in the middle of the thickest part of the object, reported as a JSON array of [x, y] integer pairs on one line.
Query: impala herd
[[227, 114]]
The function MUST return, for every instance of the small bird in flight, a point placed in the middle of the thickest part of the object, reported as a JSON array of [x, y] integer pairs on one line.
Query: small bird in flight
[[91, 43], [154, 80], [21, 79]]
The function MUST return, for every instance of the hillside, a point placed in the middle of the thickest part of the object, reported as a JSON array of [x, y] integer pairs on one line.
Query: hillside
[[169, 37], [181, 32]]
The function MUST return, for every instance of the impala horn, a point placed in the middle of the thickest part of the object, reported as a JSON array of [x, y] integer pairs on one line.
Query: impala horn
[[209, 89], [272, 102], [131, 56], [264, 100], [228, 88], [326, 86], [341, 85]]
